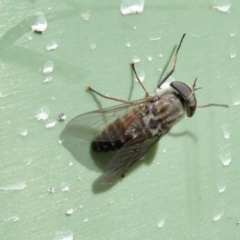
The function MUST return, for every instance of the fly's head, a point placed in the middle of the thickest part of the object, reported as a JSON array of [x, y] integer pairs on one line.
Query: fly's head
[[187, 94]]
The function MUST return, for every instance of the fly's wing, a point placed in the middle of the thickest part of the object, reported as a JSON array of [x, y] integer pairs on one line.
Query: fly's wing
[[88, 125], [130, 153]]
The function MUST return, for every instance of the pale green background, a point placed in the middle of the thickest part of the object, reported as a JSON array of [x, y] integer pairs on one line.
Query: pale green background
[[179, 184]]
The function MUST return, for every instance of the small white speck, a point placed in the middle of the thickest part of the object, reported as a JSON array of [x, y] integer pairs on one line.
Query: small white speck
[[154, 39], [70, 164], [160, 55], [28, 161], [111, 201], [225, 158], [42, 114], [64, 187], [51, 190], [92, 46], [51, 124], [19, 186], [217, 217], [222, 5], [221, 187], [69, 212], [48, 67], [233, 33], [62, 117], [13, 219], [60, 141], [85, 16], [41, 24], [47, 79], [226, 133], [136, 59], [23, 132], [52, 46], [63, 235], [150, 58], [161, 223], [86, 220], [128, 44], [236, 101], [131, 6]]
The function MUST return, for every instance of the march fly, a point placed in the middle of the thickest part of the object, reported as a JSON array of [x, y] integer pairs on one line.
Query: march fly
[[132, 128]]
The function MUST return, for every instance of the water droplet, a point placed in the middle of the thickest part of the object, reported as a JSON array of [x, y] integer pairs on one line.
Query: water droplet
[[128, 44], [236, 101], [233, 33], [69, 212], [23, 132], [42, 114], [217, 217], [47, 79], [52, 46], [51, 190], [141, 76], [64, 187], [233, 52], [221, 187], [111, 201], [62, 117], [161, 223], [225, 158], [92, 46], [13, 219], [51, 124], [136, 59], [41, 24], [85, 16], [63, 235], [28, 161], [131, 6], [48, 67], [150, 58], [226, 133], [19, 186], [155, 39], [222, 5]]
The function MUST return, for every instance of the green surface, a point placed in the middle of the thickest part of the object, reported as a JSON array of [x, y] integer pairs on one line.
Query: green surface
[[179, 184]]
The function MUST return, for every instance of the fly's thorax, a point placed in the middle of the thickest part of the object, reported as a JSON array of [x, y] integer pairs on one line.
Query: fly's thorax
[[164, 113]]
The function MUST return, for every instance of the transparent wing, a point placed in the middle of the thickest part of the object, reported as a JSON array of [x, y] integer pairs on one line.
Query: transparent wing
[[130, 153], [88, 125]]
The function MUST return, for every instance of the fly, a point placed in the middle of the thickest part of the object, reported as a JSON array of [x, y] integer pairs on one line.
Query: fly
[[134, 127]]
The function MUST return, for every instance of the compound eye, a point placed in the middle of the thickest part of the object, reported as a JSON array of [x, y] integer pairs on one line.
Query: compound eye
[[183, 89], [188, 96]]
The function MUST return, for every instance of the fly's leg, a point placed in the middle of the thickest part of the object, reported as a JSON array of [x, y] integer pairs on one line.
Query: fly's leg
[[174, 63], [107, 97], [144, 89]]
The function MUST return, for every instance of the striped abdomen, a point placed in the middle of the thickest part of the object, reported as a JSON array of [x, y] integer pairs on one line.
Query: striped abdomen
[[151, 119], [116, 134]]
